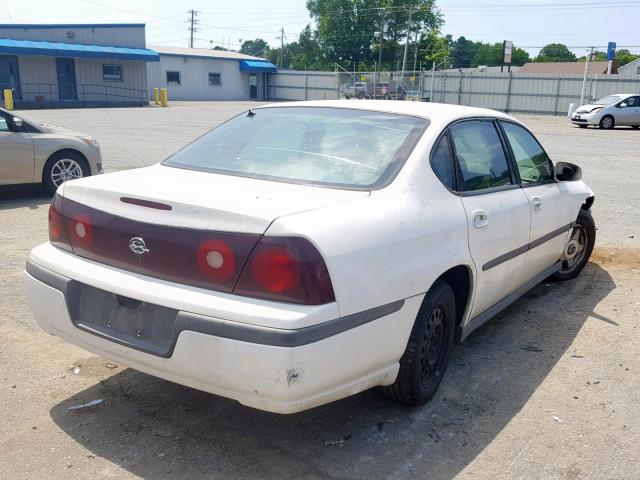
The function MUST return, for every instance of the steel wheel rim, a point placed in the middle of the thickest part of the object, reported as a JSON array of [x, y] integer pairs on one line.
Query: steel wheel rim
[[64, 170], [575, 250], [433, 345]]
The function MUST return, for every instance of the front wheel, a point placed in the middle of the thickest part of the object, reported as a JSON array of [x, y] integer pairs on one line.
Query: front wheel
[[61, 167], [426, 356], [578, 248], [607, 122]]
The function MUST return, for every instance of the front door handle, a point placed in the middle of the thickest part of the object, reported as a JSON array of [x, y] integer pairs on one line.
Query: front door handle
[[480, 218], [536, 204]]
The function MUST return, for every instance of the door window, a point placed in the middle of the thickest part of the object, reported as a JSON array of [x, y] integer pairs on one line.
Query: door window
[[4, 124], [532, 161], [442, 163], [480, 156]]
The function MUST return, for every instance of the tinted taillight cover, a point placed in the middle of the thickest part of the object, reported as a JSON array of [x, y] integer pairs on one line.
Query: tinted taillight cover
[[286, 269]]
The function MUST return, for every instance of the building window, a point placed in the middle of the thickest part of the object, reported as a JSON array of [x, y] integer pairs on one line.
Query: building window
[[173, 78], [112, 73], [215, 79], [638, 71]]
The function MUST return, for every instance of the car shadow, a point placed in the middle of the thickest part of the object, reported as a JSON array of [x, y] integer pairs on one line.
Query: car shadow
[[156, 429], [31, 196]]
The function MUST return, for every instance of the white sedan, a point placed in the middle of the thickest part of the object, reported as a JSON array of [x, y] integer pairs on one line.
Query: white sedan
[[301, 253], [609, 112]]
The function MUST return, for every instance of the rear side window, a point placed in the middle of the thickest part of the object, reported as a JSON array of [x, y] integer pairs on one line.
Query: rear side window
[[532, 161], [480, 155], [442, 163]]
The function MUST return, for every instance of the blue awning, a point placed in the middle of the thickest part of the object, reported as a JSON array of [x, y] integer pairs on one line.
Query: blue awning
[[257, 66], [28, 47]]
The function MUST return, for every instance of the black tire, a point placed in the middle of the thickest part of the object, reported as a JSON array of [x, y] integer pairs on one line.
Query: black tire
[[47, 181], [424, 362], [360, 96], [635, 127], [607, 122], [582, 235]]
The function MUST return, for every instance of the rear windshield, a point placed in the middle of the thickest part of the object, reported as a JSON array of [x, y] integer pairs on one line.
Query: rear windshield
[[318, 145]]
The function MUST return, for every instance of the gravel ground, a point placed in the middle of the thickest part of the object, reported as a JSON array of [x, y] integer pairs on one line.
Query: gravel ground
[[547, 390]]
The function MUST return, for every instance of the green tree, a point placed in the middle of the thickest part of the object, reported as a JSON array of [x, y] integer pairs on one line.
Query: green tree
[[345, 29], [493, 54], [462, 53], [555, 52], [625, 56], [254, 47]]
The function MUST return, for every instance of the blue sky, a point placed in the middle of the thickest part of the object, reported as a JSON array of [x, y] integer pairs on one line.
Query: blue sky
[[529, 23]]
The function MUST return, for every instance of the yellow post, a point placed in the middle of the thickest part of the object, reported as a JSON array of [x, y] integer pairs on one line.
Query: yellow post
[[164, 97], [8, 99], [156, 96]]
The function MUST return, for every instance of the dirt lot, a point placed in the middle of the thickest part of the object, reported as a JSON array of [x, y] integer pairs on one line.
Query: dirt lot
[[547, 390]]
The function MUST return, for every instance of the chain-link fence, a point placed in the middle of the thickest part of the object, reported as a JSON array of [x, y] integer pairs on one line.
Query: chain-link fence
[[380, 85]]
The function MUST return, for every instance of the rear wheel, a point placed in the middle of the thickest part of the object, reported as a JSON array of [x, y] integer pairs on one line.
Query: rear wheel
[[62, 167], [607, 122], [578, 248], [426, 356]]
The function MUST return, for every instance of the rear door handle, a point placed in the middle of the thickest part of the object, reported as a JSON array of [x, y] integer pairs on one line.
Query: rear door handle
[[536, 204], [480, 218]]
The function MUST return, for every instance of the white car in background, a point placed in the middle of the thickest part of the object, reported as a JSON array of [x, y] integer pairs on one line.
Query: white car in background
[[35, 153], [301, 253], [610, 111]]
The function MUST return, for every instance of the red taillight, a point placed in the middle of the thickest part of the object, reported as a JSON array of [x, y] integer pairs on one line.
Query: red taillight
[[215, 260], [275, 270], [57, 232], [286, 269]]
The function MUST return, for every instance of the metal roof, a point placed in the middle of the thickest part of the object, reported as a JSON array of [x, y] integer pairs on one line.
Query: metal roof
[[29, 47], [202, 52], [23, 26]]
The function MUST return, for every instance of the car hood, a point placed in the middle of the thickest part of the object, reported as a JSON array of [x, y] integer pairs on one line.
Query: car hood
[[589, 108], [201, 200], [52, 129]]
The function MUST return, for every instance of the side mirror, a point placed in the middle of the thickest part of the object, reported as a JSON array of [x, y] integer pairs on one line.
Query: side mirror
[[567, 172], [623, 105], [17, 123]]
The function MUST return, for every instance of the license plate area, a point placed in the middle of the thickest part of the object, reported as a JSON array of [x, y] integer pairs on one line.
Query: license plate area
[[128, 321]]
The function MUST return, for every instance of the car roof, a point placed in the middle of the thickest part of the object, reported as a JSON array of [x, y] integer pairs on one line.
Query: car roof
[[442, 112]]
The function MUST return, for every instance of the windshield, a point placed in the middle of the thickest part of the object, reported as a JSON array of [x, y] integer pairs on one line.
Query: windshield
[[608, 100], [317, 145]]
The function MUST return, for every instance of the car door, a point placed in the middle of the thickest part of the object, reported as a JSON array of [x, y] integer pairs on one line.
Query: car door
[[550, 202], [626, 111], [496, 207], [634, 113], [16, 154]]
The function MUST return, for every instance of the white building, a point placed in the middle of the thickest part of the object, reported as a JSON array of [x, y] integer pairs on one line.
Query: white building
[[70, 65], [203, 74], [631, 68]]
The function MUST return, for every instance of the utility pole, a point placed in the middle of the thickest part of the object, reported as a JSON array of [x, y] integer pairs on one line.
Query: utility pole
[[192, 25], [415, 58], [281, 37], [406, 44], [584, 78]]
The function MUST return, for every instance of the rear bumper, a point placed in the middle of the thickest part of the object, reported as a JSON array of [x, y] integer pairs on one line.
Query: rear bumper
[[273, 369]]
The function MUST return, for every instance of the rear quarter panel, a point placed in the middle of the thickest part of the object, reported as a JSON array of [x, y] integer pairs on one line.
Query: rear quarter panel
[[391, 245]]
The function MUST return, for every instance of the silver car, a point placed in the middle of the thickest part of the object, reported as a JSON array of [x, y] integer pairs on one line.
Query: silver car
[[610, 111], [34, 153]]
